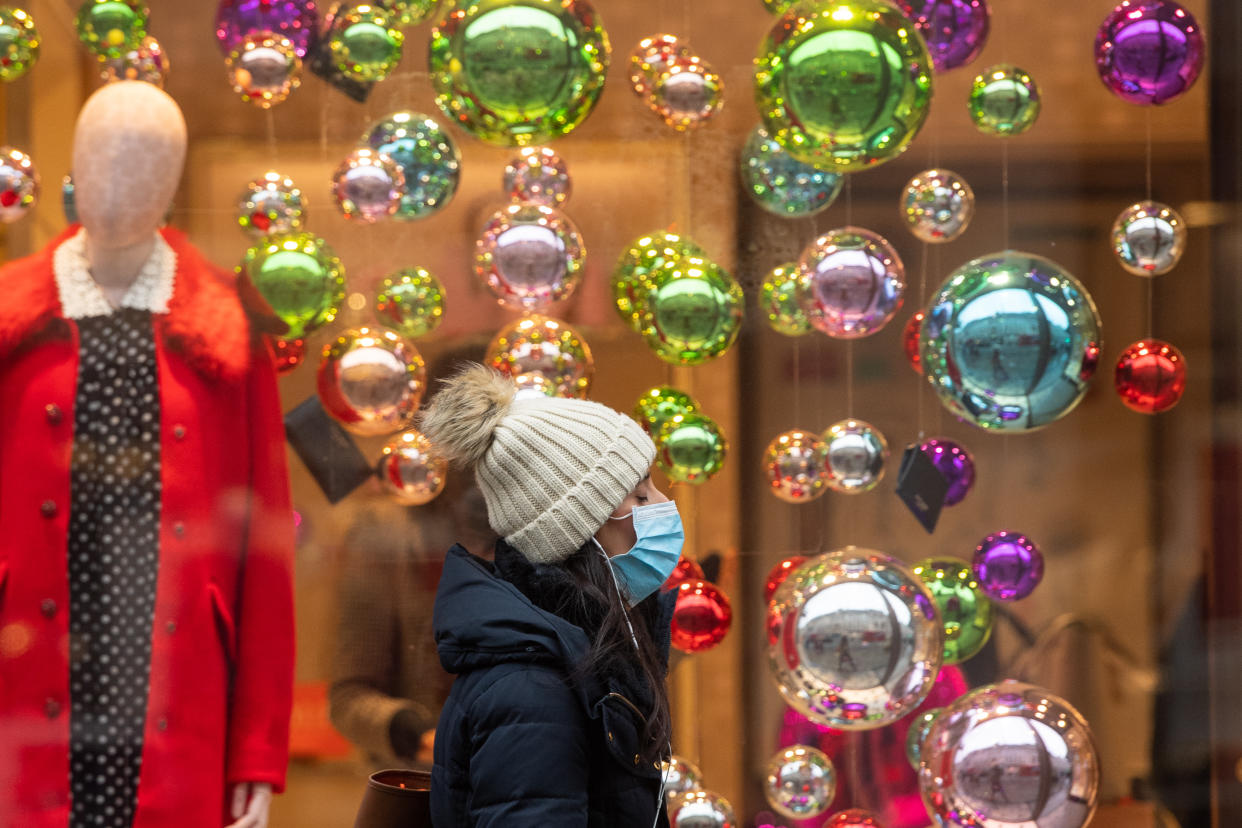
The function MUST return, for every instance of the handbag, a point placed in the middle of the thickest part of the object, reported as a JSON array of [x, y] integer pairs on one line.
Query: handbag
[[396, 799]]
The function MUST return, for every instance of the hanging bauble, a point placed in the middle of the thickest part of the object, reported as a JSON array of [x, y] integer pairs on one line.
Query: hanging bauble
[[411, 12], [690, 448], [1009, 755], [853, 639], [777, 6], [851, 282], [371, 381], [1008, 565], [687, 93], [910, 341], [1149, 51], [368, 186], [1150, 376], [1149, 238], [693, 311], [778, 297], [411, 302], [19, 43], [529, 255], [300, 277], [857, 453], [963, 608], [853, 818], [271, 205], [651, 58], [701, 618], [661, 404], [937, 205], [800, 782], [294, 19], [264, 69], [680, 776], [364, 42], [428, 159], [148, 63], [19, 184], [110, 28], [796, 465], [519, 72], [843, 84], [778, 574], [289, 353], [916, 734], [1004, 100], [531, 386], [700, 809], [955, 30], [538, 175], [548, 347], [686, 570], [955, 465], [632, 277], [1010, 341], [68, 199], [409, 470], [780, 183]]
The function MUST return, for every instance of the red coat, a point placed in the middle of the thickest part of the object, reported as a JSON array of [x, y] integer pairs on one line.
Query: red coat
[[222, 641]]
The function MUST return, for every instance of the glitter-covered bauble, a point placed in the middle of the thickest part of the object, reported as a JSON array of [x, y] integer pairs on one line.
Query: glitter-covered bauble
[[409, 470], [1149, 238], [701, 617], [294, 19], [778, 574], [371, 381], [368, 186], [545, 346], [796, 465], [651, 58], [19, 184], [1010, 755], [110, 28], [264, 69], [964, 609], [916, 733], [800, 783], [300, 277], [659, 405], [693, 311], [271, 205], [1150, 376], [853, 818], [411, 12], [1010, 341], [955, 30], [843, 84], [428, 159], [955, 465], [68, 199], [700, 809], [1004, 100], [1149, 51], [289, 353], [778, 297], [680, 775], [780, 183], [632, 278], [937, 205], [686, 570], [857, 454], [529, 255], [538, 175], [411, 302], [691, 448], [519, 72], [687, 94], [531, 386], [19, 43], [853, 639], [910, 341], [851, 282], [1008, 565], [148, 63], [364, 42]]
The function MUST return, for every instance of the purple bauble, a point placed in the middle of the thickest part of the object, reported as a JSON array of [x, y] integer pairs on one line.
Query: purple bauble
[[294, 19], [955, 30], [1008, 565], [955, 465], [1149, 51]]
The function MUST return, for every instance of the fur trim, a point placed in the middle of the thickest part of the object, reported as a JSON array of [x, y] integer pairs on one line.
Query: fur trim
[[462, 418]]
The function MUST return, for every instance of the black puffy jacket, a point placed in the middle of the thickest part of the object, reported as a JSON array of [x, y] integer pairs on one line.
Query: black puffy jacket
[[520, 744]]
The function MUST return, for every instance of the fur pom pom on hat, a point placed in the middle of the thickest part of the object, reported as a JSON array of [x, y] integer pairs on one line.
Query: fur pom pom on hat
[[551, 469]]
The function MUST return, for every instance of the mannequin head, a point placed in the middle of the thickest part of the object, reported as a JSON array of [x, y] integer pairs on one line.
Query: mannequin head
[[128, 151]]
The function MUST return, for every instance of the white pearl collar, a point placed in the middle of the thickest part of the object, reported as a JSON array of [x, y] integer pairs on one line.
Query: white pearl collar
[[81, 296]]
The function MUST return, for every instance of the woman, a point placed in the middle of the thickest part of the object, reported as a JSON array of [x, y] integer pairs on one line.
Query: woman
[[558, 716]]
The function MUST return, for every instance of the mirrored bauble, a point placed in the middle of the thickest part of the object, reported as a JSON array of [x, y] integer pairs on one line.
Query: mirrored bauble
[[110, 28], [916, 734], [264, 69], [1149, 238], [1008, 565], [780, 183], [532, 386], [661, 404], [686, 570], [364, 42], [371, 381], [853, 818], [519, 72], [843, 84], [680, 776], [1149, 51], [1010, 341], [955, 30], [964, 609], [777, 6], [289, 353], [19, 184], [148, 63], [651, 58], [857, 453], [796, 465], [548, 347], [700, 809], [851, 282], [294, 19], [955, 465], [529, 255], [691, 448], [300, 277], [19, 43], [409, 470], [800, 783], [427, 156], [368, 186], [937, 205], [271, 205], [539, 175], [1010, 755], [687, 94], [411, 302], [778, 297], [632, 277], [853, 639], [778, 574], [411, 12], [693, 311], [910, 341], [1004, 100], [1150, 376], [701, 618], [68, 199]]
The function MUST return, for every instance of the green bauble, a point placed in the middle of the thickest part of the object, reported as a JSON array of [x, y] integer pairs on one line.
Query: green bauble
[[631, 278], [300, 277], [1004, 100], [778, 298], [961, 605], [410, 12], [843, 84], [777, 6], [518, 72], [917, 732], [693, 311], [19, 43], [411, 302], [660, 405], [365, 42], [691, 448], [112, 28]]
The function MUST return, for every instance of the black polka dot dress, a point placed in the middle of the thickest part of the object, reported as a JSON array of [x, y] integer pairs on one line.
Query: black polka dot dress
[[113, 549]]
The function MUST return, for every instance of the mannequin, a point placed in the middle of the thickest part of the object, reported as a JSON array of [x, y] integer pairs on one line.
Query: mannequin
[[146, 630]]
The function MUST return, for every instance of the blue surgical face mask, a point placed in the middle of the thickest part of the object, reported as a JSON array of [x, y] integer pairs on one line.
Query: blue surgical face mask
[[656, 552]]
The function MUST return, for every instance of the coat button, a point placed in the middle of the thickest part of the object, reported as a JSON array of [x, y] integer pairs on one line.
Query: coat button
[[162, 724], [48, 508], [179, 431], [53, 413], [171, 626], [48, 607], [51, 708], [179, 529]]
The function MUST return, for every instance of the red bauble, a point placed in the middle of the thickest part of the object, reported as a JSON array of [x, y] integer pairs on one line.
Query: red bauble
[[686, 570], [701, 618], [289, 354], [1150, 376], [779, 573], [910, 341], [854, 818]]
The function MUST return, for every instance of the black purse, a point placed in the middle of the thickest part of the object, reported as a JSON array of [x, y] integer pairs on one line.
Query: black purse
[[396, 799]]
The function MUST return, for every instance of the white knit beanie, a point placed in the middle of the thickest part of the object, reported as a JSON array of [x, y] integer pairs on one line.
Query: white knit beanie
[[552, 470]]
